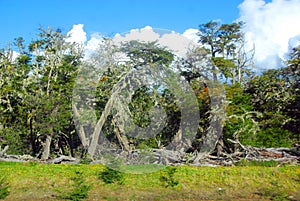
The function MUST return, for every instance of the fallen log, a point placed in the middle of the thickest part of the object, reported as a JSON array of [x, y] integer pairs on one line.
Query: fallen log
[[64, 159]]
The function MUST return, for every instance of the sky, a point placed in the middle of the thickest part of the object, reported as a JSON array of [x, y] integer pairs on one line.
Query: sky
[[272, 26]]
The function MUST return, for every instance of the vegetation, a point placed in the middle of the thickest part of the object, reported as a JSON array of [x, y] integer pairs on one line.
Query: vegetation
[[30, 181], [110, 176], [37, 116], [167, 177], [78, 188], [4, 186], [40, 117]]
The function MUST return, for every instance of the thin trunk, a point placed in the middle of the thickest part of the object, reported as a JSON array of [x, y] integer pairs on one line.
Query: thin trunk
[[46, 148], [239, 75], [32, 138], [233, 76]]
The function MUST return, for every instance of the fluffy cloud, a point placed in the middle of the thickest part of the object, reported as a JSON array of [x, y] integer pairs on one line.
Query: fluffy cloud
[[92, 44], [191, 34], [177, 43], [77, 34], [145, 34], [272, 27]]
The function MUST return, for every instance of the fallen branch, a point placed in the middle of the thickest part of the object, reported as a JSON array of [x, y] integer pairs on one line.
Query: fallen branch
[[3, 151]]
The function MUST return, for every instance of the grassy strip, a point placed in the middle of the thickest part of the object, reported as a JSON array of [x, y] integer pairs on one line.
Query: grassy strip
[[33, 181]]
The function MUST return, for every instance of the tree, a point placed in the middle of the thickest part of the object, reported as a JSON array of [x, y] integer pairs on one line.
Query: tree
[[54, 70], [14, 81], [292, 76], [126, 76], [225, 44], [272, 96]]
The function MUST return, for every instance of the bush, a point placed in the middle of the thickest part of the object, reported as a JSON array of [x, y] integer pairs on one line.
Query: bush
[[109, 176], [274, 137], [167, 177]]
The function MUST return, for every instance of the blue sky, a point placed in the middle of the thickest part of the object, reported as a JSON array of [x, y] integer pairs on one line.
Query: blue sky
[[270, 24], [23, 18]]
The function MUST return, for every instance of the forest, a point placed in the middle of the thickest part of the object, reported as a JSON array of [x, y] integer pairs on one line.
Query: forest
[[238, 109]]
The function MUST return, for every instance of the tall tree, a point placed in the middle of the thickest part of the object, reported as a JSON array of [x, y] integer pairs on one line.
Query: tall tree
[[54, 70], [225, 43], [13, 84]]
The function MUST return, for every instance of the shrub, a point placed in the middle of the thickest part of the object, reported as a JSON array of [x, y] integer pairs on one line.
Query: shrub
[[167, 177], [109, 176], [79, 189]]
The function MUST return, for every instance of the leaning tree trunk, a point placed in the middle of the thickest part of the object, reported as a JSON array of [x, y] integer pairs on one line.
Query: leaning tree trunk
[[121, 137]]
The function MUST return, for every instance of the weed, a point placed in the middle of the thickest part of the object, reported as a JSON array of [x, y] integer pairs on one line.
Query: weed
[[4, 186]]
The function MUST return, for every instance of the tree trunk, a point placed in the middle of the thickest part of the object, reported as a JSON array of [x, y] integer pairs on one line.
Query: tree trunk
[[32, 138], [98, 128], [81, 132], [46, 148], [121, 138], [213, 136]]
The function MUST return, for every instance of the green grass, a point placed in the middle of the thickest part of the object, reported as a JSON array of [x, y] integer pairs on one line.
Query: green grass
[[33, 181]]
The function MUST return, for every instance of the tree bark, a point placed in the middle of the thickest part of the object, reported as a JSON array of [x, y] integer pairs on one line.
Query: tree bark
[[121, 138], [98, 127], [81, 131], [46, 148]]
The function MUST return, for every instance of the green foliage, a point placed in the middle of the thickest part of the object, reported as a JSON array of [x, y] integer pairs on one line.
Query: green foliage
[[79, 189], [14, 137], [142, 53], [4, 188], [167, 177], [273, 95], [273, 137], [86, 159], [240, 122], [140, 105], [36, 92], [244, 162], [110, 176]]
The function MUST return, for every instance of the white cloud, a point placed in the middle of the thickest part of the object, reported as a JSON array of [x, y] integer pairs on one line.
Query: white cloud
[[177, 43], [77, 34], [271, 27], [92, 44], [191, 34], [294, 42], [145, 34]]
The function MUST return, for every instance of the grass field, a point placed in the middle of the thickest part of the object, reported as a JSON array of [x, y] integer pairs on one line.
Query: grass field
[[34, 181]]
